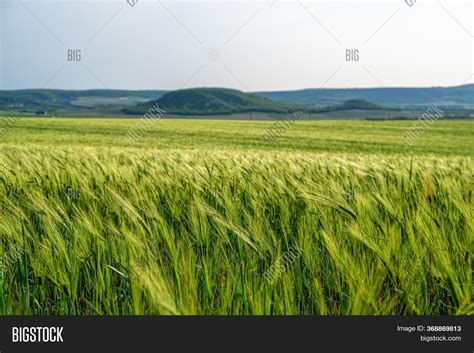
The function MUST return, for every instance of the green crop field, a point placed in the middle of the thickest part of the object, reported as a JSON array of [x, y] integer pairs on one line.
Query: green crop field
[[204, 217]]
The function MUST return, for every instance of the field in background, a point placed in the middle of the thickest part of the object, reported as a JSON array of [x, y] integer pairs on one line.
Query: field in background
[[355, 137], [204, 217]]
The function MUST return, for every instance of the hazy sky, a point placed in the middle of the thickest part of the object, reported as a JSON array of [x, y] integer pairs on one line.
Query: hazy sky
[[252, 46]]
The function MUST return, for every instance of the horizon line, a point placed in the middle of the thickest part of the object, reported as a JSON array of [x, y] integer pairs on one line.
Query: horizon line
[[230, 88]]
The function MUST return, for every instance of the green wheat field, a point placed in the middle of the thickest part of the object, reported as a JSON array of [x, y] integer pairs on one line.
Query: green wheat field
[[193, 217]]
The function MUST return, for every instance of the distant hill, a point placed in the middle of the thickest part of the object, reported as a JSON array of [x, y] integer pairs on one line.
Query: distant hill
[[209, 101], [222, 101], [405, 98], [64, 100], [352, 104]]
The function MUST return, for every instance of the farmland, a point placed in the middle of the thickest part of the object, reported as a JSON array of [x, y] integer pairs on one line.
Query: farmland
[[192, 217]]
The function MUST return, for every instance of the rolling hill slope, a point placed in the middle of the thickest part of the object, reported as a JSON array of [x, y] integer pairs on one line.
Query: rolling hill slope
[[210, 101], [51, 99], [404, 98], [222, 101]]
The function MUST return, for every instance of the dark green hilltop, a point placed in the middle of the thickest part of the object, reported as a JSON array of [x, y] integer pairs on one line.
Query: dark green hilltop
[[210, 101], [222, 101]]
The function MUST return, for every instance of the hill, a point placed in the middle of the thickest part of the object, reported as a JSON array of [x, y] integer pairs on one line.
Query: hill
[[461, 97], [67, 100], [352, 104], [209, 101], [221, 101]]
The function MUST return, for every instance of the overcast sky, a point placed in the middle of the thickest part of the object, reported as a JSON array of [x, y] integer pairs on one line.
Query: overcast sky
[[252, 46]]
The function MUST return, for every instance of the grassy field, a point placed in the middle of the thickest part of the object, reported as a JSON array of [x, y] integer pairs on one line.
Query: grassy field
[[204, 217]]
